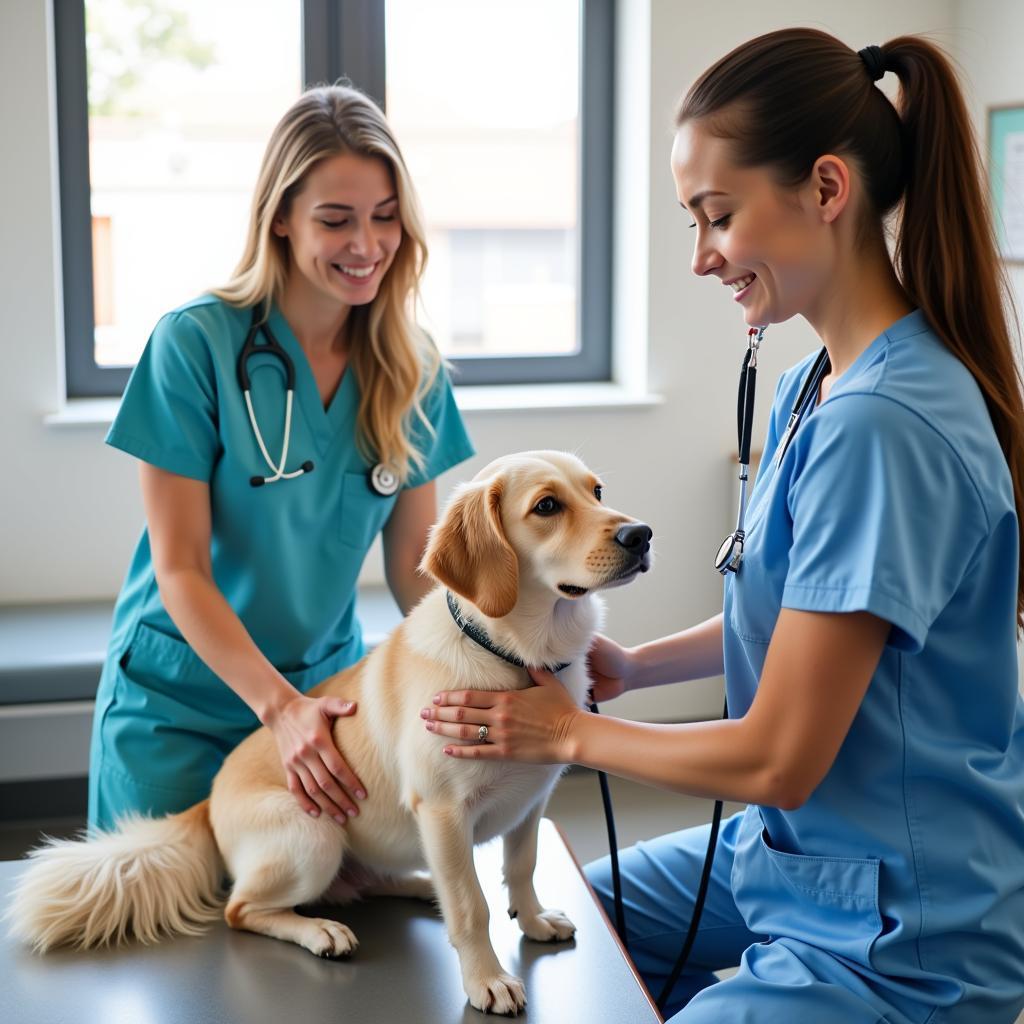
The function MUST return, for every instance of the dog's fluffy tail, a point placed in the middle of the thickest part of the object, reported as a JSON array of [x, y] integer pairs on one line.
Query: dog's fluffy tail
[[147, 879]]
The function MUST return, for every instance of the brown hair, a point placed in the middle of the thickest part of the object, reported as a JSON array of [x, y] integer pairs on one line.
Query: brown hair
[[787, 97]]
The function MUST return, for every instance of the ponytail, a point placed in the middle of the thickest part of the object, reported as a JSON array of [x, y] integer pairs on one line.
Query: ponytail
[[946, 256]]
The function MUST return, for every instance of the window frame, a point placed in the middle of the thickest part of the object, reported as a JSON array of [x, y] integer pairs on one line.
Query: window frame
[[346, 38]]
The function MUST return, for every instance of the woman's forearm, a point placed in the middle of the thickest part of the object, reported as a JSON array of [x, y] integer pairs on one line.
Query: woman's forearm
[[216, 634], [695, 653], [408, 587], [716, 759]]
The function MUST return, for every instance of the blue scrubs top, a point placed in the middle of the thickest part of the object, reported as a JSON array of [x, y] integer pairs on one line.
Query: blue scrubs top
[[286, 556], [894, 497]]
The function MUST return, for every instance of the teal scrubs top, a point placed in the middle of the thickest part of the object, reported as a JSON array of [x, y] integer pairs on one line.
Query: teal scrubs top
[[286, 555], [906, 863]]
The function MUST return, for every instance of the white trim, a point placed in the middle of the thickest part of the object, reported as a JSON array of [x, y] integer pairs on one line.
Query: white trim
[[79, 412]]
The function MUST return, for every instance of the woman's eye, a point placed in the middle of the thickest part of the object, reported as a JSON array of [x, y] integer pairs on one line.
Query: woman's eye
[[720, 223], [547, 507], [388, 219], [334, 223], [598, 491]]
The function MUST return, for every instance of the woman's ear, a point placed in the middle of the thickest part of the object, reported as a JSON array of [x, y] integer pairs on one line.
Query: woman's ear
[[469, 554], [830, 177]]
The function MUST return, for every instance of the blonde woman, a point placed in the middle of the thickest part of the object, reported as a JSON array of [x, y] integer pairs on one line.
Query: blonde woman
[[281, 423]]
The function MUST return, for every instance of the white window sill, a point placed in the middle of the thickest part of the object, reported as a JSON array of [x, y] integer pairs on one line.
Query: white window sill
[[487, 398], [515, 397]]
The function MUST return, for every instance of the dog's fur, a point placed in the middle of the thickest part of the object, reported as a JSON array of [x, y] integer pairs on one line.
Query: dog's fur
[[506, 563]]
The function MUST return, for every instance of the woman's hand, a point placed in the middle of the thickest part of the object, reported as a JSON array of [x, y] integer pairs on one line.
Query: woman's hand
[[318, 776], [533, 725], [610, 668]]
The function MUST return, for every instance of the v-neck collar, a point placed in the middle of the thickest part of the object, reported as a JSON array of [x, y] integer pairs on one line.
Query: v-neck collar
[[338, 419]]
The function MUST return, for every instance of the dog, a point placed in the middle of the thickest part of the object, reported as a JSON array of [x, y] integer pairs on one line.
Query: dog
[[519, 554]]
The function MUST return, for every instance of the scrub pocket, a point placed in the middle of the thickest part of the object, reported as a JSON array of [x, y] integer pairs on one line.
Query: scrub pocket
[[363, 511], [166, 667], [827, 902], [171, 721]]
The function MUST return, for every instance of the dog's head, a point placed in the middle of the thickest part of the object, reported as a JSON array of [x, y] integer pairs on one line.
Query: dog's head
[[534, 519]]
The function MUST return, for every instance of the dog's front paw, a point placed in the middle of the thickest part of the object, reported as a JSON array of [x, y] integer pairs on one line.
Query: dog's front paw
[[329, 939], [547, 926], [503, 993]]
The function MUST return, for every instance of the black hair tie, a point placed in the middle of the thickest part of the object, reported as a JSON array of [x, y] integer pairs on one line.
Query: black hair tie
[[874, 61]]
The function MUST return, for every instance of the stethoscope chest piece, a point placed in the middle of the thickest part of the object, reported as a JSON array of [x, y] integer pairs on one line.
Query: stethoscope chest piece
[[730, 554], [383, 480]]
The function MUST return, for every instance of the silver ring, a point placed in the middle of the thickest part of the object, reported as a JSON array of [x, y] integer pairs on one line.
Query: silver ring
[[481, 734]]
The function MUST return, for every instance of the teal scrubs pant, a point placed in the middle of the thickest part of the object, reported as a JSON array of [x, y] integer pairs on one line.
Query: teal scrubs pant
[[164, 724]]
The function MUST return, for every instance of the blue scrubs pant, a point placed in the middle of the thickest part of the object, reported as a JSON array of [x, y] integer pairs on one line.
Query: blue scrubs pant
[[779, 981]]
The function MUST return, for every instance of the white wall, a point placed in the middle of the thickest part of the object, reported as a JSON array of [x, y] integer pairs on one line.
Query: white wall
[[989, 34], [69, 507]]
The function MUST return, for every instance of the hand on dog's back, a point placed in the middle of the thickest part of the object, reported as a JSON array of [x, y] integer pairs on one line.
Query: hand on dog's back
[[318, 776]]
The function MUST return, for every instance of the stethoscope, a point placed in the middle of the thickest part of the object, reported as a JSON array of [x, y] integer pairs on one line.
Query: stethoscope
[[382, 479], [730, 553]]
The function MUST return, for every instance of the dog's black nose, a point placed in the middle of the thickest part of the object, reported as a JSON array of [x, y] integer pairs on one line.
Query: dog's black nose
[[635, 538]]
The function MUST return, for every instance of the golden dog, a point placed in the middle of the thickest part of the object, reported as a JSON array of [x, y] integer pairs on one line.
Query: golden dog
[[522, 547]]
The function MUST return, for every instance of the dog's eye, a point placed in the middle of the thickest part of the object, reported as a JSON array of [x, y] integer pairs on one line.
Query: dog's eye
[[598, 491], [547, 507]]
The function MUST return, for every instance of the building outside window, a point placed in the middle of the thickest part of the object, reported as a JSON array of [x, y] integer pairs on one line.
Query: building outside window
[[485, 99]]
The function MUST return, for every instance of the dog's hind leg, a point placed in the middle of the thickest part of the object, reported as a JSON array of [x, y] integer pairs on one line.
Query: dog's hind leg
[[447, 837], [277, 870], [520, 862]]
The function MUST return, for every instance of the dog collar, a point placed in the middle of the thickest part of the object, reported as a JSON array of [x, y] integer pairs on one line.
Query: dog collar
[[476, 634]]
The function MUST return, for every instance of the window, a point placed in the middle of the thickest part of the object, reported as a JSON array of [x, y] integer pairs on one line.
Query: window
[[502, 110]]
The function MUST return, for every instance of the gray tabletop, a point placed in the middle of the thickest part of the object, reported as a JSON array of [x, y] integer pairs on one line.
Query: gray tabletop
[[403, 971]]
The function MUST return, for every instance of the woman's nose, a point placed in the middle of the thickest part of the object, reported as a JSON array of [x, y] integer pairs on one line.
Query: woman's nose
[[363, 239], [705, 258]]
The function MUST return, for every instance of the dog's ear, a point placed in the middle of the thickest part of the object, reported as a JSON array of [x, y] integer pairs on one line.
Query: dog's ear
[[469, 553]]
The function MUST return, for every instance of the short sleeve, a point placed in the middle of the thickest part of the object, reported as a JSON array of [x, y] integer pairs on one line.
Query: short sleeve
[[886, 518], [447, 443], [168, 414]]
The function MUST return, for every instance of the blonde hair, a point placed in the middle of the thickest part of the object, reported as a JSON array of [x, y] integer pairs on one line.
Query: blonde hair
[[394, 360]]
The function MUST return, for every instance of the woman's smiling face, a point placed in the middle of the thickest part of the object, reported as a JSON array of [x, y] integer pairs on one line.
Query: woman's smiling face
[[768, 244], [344, 228]]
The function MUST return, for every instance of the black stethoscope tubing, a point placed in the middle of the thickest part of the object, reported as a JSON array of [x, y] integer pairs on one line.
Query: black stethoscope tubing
[[821, 366], [381, 478], [730, 553]]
